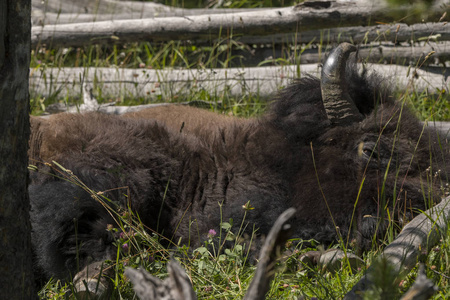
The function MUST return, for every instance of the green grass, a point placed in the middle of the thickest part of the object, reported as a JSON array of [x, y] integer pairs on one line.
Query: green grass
[[431, 107]]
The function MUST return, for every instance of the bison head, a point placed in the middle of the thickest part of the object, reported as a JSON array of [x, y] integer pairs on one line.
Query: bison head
[[368, 162]]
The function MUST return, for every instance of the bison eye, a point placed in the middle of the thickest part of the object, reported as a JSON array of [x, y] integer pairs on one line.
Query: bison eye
[[368, 150], [369, 153]]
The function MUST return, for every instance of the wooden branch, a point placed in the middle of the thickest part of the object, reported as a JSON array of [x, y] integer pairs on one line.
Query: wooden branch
[[176, 287], [277, 237], [94, 281], [421, 234], [422, 289], [326, 14], [170, 84], [417, 54]]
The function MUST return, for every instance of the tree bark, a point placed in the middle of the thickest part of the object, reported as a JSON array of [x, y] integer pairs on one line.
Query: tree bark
[[16, 280], [173, 84], [305, 16]]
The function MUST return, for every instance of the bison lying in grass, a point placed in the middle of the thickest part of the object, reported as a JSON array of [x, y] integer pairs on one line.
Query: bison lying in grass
[[340, 150]]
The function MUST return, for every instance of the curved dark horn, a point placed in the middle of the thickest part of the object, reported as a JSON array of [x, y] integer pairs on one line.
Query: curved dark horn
[[340, 108]]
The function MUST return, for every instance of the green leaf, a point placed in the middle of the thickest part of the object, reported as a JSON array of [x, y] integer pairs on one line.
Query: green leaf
[[225, 226], [201, 250]]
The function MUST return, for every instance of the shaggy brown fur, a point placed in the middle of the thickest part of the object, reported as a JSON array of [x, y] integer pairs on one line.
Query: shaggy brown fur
[[348, 177], [185, 118]]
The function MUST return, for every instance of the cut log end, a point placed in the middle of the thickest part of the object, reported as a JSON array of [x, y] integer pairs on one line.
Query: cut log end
[[94, 282]]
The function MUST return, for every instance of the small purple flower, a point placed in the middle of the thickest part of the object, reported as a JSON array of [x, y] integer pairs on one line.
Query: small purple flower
[[211, 233], [122, 235], [125, 247]]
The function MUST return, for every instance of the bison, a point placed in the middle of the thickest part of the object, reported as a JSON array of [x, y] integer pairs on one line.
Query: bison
[[340, 149]]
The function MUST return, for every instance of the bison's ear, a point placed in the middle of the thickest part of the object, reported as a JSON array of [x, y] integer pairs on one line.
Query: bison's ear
[[340, 108]]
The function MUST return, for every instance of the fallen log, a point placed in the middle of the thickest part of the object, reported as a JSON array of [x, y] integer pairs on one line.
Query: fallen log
[[305, 16], [52, 12], [415, 54], [171, 85], [395, 33]]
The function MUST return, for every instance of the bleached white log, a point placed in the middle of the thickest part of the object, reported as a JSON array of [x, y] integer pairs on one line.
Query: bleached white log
[[90, 103], [357, 34], [171, 84], [52, 12], [118, 83], [305, 16]]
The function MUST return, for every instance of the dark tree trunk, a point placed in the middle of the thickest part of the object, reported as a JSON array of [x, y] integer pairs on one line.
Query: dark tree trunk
[[16, 279]]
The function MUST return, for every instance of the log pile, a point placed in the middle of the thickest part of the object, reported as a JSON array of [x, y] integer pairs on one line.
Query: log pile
[[173, 84], [76, 23]]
